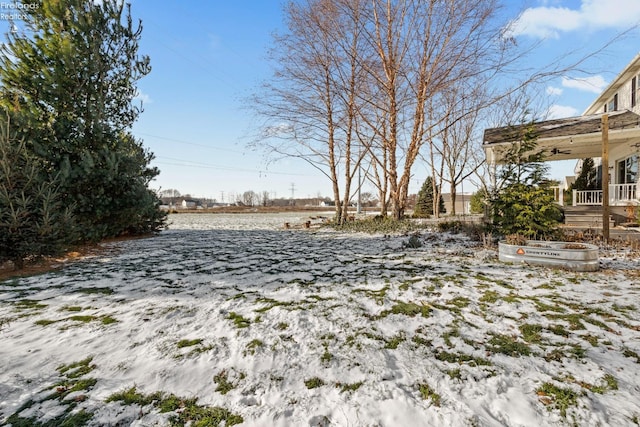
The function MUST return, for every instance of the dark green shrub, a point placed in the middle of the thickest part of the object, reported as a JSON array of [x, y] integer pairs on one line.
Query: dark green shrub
[[34, 221], [424, 203]]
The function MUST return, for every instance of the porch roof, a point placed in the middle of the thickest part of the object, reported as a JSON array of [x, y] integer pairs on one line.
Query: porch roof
[[568, 138]]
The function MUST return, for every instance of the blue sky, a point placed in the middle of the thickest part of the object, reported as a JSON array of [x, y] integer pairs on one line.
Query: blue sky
[[209, 55]]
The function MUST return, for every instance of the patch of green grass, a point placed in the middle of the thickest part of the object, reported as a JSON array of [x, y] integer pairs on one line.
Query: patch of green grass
[[555, 397], [490, 297], [349, 387], [66, 419], [453, 332], [82, 319], [282, 326], [574, 320], [421, 341], [512, 298], [623, 308], [67, 386], [253, 346], [558, 354], [455, 374], [461, 358], [188, 412], [459, 302], [76, 369], [408, 309], [238, 320], [105, 320], [610, 383], [542, 306], [531, 333], [499, 282], [326, 356], [428, 393], [224, 385], [108, 320], [551, 285], [71, 308], [630, 353], [404, 286], [314, 382], [395, 341], [271, 303], [188, 343], [558, 330], [69, 383], [132, 397], [378, 296], [509, 346], [591, 339], [28, 304]]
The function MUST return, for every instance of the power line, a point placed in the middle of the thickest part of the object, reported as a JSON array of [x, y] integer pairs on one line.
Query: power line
[[195, 144], [202, 165]]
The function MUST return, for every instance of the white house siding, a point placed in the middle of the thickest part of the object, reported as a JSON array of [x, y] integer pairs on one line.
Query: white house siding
[[622, 86]]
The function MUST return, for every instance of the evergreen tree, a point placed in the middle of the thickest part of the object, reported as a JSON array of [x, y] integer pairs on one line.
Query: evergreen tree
[[33, 219], [424, 202], [479, 201], [70, 87], [525, 205], [587, 180]]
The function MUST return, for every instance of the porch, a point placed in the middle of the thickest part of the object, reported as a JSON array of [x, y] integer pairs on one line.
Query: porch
[[619, 195]]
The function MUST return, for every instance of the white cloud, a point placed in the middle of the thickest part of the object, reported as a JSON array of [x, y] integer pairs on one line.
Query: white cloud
[[561, 111], [140, 96], [555, 91], [550, 21], [595, 84]]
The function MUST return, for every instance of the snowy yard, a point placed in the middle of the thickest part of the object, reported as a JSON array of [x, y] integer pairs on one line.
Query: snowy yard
[[272, 327]]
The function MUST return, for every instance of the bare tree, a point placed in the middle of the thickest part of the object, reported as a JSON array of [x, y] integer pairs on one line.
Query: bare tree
[[265, 198], [375, 85], [249, 198], [422, 49], [310, 105], [459, 136]]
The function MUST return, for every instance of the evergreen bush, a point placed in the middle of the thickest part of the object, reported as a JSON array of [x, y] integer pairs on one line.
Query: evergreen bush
[[34, 220], [424, 201]]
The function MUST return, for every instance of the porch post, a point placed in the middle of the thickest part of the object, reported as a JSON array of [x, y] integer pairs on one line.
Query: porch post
[[605, 178]]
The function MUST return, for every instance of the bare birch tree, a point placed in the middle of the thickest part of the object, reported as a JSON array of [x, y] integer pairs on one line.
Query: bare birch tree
[[310, 106], [422, 47]]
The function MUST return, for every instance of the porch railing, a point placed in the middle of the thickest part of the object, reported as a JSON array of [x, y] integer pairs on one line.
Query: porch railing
[[618, 194]]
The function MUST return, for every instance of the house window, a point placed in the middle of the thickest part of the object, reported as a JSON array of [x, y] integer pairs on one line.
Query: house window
[[633, 91], [628, 170], [613, 104]]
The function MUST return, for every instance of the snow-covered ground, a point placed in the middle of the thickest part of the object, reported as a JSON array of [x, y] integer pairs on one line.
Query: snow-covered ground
[[276, 327]]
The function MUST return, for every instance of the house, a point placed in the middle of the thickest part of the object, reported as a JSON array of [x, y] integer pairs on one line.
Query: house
[[463, 203], [188, 204], [582, 137]]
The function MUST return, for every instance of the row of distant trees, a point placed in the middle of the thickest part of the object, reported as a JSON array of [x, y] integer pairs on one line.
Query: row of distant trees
[[264, 198], [70, 169]]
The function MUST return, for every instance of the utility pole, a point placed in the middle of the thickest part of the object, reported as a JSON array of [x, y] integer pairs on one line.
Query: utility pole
[[293, 192]]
